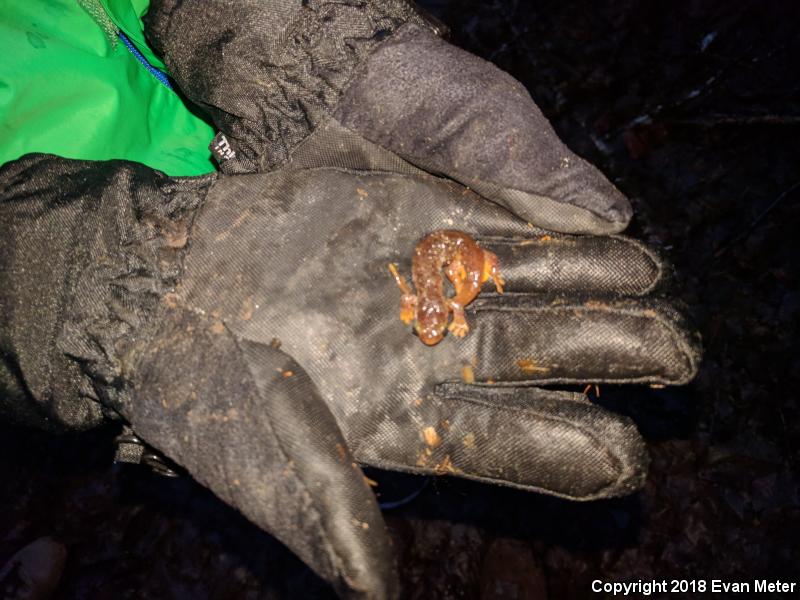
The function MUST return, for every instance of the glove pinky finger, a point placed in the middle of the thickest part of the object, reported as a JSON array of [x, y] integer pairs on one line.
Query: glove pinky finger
[[553, 442]]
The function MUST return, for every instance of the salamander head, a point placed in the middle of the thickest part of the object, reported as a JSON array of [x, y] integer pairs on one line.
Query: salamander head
[[431, 321]]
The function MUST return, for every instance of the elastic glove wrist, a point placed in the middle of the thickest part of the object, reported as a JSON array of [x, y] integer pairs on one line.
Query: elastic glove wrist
[[89, 250]]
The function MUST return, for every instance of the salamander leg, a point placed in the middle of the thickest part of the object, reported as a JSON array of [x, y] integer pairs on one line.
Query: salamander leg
[[491, 270], [458, 326], [408, 308], [466, 285], [401, 281], [408, 302]]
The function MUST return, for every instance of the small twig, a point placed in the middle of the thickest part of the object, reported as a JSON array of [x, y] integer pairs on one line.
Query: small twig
[[715, 120], [772, 205], [757, 221]]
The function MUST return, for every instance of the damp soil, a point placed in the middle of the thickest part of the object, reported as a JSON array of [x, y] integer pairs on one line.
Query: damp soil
[[693, 110]]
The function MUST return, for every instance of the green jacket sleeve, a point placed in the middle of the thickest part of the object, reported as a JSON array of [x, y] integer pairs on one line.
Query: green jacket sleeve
[[70, 86]]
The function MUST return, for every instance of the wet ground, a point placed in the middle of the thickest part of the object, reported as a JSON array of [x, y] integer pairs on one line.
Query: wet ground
[[693, 110]]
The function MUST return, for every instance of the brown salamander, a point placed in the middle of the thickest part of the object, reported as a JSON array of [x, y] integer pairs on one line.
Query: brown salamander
[[465, 264]]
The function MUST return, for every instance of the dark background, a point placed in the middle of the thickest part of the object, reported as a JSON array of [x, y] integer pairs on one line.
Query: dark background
[[693, 110]]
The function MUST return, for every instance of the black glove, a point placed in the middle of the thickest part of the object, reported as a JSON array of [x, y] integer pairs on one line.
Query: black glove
[[250, 332], [248, 327], [368, 85]]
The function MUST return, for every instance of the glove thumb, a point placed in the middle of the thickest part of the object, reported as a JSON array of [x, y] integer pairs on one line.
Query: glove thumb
[[247, 422]]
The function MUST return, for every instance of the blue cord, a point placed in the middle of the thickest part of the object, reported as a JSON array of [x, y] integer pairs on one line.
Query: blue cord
[[403, 501], [138, 55]]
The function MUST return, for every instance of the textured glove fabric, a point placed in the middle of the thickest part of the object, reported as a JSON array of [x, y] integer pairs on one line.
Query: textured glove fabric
[[92, 254], [248, 423], [268, 72], [280, 76], [79, 274]]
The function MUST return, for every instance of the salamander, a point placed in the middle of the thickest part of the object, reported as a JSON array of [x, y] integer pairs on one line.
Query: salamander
[[465, 264]]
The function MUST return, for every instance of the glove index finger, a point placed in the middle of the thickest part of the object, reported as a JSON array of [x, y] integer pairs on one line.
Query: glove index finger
[[247, 422]]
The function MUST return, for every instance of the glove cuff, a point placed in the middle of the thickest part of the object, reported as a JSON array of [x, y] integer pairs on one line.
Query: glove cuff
[[122, 289], [93, 249], [268, 76]]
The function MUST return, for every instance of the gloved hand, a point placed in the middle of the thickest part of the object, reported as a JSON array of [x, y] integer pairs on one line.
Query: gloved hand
[[368, 85], [247, 326]]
